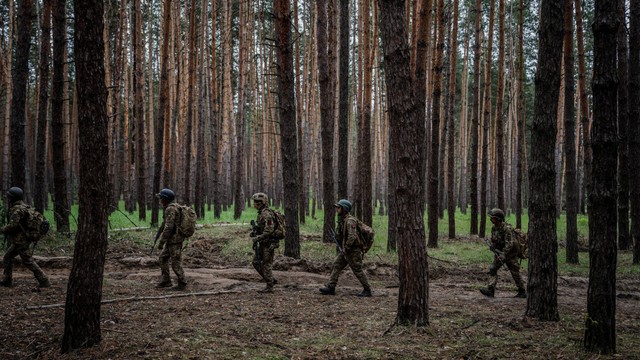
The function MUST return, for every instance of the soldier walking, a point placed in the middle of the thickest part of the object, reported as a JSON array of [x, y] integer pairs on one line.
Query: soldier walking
[[351, 251], [170, 241], [265, 240], [16, 238], [506, 250]]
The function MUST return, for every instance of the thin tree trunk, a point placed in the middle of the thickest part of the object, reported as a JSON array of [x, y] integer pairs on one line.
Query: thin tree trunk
[[343, 106], [61, 202], [624, 240], [451, 166], [634, 125], [190, 103], [569, 137], [473, 193], [584, 105], [40, 188], [521, 118], [499, 146], [138, 109]]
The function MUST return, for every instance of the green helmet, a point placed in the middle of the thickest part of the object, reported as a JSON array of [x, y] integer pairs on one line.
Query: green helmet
[[497, 213], [344, 204], [262, 197]]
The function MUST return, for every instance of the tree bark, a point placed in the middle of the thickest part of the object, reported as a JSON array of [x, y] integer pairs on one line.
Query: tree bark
[[190, 103], [19, 91], [473, 193], [522, 121], [499, 145], [584, 104], [327, 121], [238, 175], [287, 110], [138, 110], [634, 125], [542, 300], [58, 140], [84, 290], [600, 333], [343, 106], [40, 188], [624, 240], [405, 166], [451, 162], [569, 137]]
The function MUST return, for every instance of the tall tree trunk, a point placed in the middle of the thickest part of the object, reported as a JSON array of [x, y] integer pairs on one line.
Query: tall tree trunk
[[200, 195], [364, 147], [624, 240], [163, 107], [542, 300], [569, 137], [327, 120], [473, 193], [242, 54], [634, 125], [405, 166], [522, 122], [40, 188], [138, 110], [84, 290], [287, 109], [190, 103], [584, 105], [58, 140], [343, 106], [19, 98], [600, 333], [432, 188], [215, 119], [499, 145], [486, 123], [451, 162]]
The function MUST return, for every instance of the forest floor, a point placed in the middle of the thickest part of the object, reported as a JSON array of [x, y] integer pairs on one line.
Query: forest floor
[[221, 316]]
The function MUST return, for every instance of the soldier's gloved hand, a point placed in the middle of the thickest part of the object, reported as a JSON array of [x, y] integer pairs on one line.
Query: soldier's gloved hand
[[502, 258]]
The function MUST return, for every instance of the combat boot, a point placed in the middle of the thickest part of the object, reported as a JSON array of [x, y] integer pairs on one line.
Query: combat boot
[[488, 291], [365, 293], [328, 290], [6, 282], [522, 293], [266, 290], [181, 286], [164, 284], [45, 283]]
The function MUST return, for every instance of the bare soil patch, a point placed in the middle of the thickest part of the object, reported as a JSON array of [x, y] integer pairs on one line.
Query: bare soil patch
[[221, 316]]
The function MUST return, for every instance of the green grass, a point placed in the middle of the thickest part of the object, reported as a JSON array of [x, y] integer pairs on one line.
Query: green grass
[[466, 250]]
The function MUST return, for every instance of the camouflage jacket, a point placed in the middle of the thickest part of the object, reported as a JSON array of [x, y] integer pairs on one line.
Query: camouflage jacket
[[15, 226], [347, 232], [169, 228], [266, 224], [503, 239]]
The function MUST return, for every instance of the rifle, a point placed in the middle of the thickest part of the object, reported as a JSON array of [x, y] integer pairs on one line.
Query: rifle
[[498, 254], [332, 233], [255, 231], [156, 239]]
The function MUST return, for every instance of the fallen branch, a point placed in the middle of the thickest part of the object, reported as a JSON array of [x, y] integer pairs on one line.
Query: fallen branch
[[435, 258], [139, 298], [470, 325]]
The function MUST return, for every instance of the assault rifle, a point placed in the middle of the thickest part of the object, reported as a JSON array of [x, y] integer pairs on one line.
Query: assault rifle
[[493, 270], [156, 239], [332, 233], [255, 231]]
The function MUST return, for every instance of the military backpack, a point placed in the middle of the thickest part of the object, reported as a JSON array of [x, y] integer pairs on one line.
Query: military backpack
[[34, 225], [365, 235], [523, 242], [187, 224], [280, 228]]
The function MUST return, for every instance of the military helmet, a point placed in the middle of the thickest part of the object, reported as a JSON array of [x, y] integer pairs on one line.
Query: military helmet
[[262, 197], [497, 213], [15, 194], [166, 194], [344, 204]]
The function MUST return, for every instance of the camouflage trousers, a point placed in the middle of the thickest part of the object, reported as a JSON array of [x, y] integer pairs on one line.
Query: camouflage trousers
[[353, 258], [24, 252], [513, 265], [171, 253], [263, 263]]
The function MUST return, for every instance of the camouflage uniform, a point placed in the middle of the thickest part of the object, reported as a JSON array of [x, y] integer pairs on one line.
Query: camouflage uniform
[[347, 235], [503, 240], [171, 245], [19, 245], [266, 245]]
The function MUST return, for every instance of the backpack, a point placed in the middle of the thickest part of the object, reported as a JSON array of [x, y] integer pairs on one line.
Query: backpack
[[365, 235], [280, 228], [35, 225], [187, 224], [523, 241]]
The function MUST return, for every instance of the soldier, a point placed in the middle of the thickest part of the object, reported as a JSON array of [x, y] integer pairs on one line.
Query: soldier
[[170, 241], [351, 252], [17, 239], [265, 242], [506, 248]]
